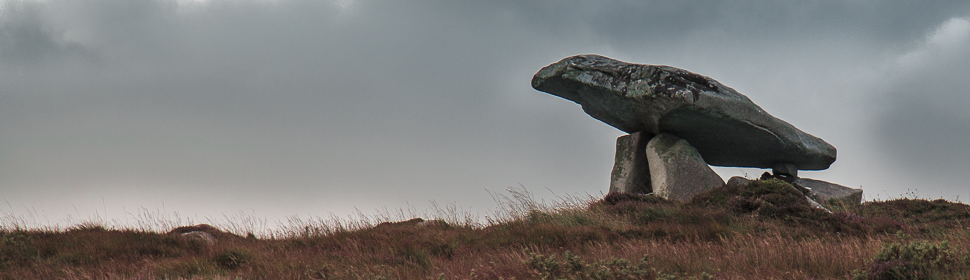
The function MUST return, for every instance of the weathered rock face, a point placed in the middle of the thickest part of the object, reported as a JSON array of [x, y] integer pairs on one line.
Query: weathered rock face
[[723, 125], [206, 233], [201, 236], [631, 174], [433, 223], [817, 205], [825, 191], [677, 170], [411, 222], [738, 181]]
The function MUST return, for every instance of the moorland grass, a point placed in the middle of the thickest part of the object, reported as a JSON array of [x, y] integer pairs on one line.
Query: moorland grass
[[760, 231]]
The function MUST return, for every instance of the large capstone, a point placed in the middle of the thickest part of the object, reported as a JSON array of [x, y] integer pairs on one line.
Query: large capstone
[[631, 174], [677, 171], [722, 124]]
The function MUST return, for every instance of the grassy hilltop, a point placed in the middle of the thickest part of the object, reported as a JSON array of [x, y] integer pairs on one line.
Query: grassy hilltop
[[762, 231]]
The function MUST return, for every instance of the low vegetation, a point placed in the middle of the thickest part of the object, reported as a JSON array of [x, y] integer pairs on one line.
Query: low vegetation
[[761, 231]]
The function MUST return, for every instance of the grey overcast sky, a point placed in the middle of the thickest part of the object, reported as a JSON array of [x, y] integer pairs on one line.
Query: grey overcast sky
[[282, 108]]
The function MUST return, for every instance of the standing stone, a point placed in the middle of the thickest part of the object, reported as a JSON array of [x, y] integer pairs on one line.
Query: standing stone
[[631, 174], [825, 191], [785, 170], [726, 127], [677, 170]]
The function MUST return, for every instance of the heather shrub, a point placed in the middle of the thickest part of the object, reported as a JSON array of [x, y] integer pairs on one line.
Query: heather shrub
[[774, 191], [919, 211], [186, 268], [776, 200], [742, 205], [648, 215], [616, 198], [571, 266], [414, 257], [627, 203], [16, 249], [234, 258], [915, 260], [563, 217], [851, 223]]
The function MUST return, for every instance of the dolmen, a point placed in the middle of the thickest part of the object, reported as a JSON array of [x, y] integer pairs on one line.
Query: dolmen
[[680, 123]]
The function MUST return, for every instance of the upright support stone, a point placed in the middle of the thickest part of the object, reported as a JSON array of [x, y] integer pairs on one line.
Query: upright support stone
[[631, 174], [677, 170], [679, 106], [785, 169]]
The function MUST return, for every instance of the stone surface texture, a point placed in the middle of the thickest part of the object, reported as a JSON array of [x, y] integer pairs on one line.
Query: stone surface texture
[[677, 170], [201, 236], [408, 223], [738, 181], [433, 223], [816, 205], [725, 126], [785, 169], [825, 191], [631, 174]]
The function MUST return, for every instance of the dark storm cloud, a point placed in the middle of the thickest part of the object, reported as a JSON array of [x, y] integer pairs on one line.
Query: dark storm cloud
[[316, 106], [376, 103], [924, 124], [26, 38], [634, 25]]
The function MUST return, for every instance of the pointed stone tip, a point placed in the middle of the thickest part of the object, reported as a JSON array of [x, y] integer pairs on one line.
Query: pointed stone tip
[[558, 68], [551, 70]]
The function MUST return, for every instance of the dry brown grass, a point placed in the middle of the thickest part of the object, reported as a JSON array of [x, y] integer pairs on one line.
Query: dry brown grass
[[726, 234]]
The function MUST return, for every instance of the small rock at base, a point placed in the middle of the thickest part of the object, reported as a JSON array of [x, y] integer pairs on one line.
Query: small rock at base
[[201, 236], [738, 181], [815, 204], [433, 223], [825, 191]]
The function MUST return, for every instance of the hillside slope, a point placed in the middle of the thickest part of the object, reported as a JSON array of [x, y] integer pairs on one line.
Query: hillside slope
[[761, 231]]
